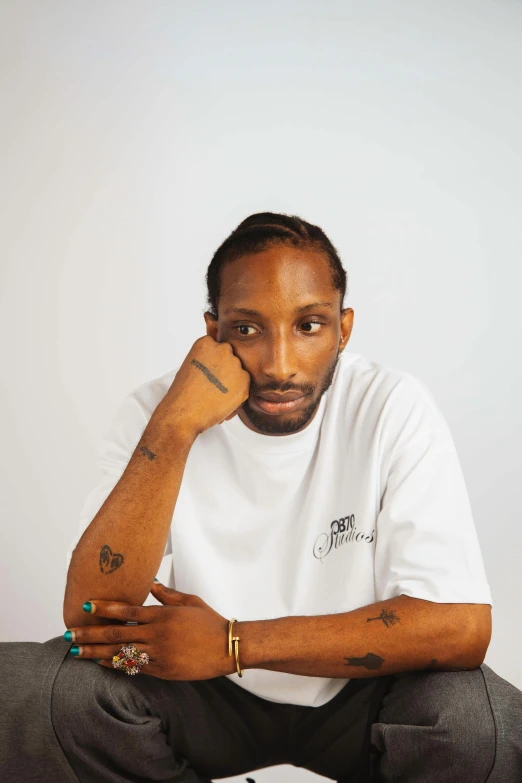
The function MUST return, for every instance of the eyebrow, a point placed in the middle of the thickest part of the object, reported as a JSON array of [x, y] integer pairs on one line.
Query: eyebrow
[[257, 314]]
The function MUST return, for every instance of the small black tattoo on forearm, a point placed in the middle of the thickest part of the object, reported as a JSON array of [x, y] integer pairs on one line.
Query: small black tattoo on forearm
[[388, 616], [370, 661], [147, 452], [109, 561], [212, 378]]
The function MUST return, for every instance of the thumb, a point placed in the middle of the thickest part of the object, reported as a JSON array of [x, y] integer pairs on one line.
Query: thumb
[[168, 596]]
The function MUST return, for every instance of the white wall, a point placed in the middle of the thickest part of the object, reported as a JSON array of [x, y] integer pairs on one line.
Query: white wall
[[136, 135]]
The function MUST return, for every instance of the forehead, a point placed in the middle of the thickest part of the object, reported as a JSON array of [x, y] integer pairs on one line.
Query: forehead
[[276, 276]]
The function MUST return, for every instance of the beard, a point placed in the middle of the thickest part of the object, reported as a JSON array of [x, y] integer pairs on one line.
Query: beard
[[276, 425]]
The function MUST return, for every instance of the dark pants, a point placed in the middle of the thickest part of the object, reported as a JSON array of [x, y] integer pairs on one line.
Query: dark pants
[[64, 719]]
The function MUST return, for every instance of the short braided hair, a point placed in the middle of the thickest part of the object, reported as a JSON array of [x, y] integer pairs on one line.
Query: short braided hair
[[263, 230]]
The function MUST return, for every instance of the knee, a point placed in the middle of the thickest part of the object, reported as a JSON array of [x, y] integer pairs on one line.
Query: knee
[[446, 712], [83, 687], [77, 686], [465, 720]]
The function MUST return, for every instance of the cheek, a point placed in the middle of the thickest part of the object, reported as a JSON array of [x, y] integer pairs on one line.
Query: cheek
[[247, 355]]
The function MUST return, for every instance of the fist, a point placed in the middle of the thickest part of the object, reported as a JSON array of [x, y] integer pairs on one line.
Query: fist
[[210, 386]]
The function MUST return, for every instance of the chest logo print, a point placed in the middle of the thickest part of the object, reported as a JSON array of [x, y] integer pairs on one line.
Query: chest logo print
[[342, 531]]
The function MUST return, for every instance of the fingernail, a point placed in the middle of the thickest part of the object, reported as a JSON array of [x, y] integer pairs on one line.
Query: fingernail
[[68, 636], [156, 580], [75, 650], [87, 606]]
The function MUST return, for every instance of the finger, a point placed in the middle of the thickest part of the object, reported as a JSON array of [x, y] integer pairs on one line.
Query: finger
[[120, 610], [148, 668], [172, 597], [103, 652], [108, 634], [167, 595], [152, 668]]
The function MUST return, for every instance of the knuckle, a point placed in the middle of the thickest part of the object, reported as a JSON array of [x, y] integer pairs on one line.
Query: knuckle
[[161, 634], [155, 613], [131, 613], [114, 634]]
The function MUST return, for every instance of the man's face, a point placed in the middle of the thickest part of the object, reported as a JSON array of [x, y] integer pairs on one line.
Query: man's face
[[281, 314]]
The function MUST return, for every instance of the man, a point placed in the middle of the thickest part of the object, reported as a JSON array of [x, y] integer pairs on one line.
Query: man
[[322, 599]]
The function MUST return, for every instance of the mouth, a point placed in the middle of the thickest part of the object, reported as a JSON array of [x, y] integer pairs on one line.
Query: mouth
[[273, 408]]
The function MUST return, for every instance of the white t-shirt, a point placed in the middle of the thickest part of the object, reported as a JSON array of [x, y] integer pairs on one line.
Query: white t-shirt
[[365, 503]]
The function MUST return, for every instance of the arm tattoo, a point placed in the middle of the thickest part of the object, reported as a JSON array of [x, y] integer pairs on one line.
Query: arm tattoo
[[370, 661], [109, 561], [388, 616], [145, 450], [212, 378]]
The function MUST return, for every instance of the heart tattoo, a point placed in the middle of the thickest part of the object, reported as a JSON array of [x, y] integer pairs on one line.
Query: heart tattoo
[[109, 561]]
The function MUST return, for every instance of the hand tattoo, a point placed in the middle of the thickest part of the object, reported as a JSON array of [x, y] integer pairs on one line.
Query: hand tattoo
[[212, 378]]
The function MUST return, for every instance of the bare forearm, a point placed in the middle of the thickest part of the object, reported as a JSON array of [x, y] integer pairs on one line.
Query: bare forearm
[[120, 552], [398, 635]]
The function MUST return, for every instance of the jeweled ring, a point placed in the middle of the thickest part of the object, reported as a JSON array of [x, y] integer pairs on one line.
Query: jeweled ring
[[130, 659]]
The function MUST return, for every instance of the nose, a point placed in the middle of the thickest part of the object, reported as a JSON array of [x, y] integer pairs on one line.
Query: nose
[[279, 360]]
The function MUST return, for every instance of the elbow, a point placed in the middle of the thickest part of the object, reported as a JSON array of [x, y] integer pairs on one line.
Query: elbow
[[483, 629], [467, 640], [72, 609], [480, 636], [70, 616], [75, 617]]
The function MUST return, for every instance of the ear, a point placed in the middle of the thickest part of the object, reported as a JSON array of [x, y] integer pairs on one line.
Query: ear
[[211, 325], [346, 327]]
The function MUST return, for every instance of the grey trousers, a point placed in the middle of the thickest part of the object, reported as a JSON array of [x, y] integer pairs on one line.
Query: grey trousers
[[70, 720]]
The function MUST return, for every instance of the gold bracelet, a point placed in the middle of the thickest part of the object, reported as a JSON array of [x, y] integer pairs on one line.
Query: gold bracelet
[[234, 639]]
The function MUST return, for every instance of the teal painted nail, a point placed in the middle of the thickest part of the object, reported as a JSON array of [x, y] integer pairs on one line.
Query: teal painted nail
[[68, 636], [75, 650], [87, 606], [97, 660], [156, 580]]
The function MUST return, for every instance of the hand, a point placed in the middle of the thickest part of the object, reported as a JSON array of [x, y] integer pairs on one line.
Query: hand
[[185, 639], [209, 387]]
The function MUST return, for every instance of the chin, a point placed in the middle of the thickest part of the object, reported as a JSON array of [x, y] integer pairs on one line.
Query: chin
[[280, 425]]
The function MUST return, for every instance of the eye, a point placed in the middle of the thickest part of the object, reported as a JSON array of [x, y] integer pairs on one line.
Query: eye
[[244, 326], [312, 323]]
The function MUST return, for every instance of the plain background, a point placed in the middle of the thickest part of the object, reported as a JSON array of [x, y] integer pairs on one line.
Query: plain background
[[136, 135]]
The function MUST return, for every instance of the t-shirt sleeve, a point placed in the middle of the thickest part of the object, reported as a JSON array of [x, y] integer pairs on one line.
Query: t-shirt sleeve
[[427, 545], [114, 451]]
